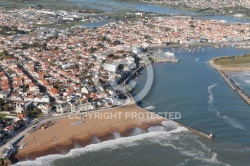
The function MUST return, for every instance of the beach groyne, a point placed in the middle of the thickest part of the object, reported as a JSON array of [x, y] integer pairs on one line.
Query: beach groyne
[[230, 82]]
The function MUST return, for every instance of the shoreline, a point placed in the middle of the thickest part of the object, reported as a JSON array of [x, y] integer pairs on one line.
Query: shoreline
[[39, 145], [103, 132], [229, 81], [55, 144], [76, 142]]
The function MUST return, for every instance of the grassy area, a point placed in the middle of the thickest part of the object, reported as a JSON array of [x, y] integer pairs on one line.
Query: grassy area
[[48, 4], [233, 60]]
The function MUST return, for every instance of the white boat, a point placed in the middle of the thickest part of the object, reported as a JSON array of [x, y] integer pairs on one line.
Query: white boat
[[169, 53], [239, 15]]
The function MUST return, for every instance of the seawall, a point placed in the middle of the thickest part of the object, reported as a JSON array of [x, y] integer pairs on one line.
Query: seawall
[[230, 82], [195, 131]]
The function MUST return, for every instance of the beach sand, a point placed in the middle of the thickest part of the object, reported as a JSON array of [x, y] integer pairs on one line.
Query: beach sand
[[62, 135]]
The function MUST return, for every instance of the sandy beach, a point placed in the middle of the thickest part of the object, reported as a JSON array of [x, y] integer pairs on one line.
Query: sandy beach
[[62, 134]]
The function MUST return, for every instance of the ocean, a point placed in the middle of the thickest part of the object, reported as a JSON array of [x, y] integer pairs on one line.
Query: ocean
[[205, 102], [193, 89]]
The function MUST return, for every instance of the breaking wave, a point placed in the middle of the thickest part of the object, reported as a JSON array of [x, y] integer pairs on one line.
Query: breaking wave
[[204, 154], [149, 108], [137, 131], [247, 81], [157, 128], [246, 73], [200, 156], [169, 124], [110, 144]]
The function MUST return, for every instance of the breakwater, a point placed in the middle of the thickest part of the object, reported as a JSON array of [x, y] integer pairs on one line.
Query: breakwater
[[195, 131], [230, 82]]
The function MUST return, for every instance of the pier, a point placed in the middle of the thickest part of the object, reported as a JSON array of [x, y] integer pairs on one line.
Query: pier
[[192, 130], [195, 131]]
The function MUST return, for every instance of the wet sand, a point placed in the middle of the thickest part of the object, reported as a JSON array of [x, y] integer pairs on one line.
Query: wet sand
[[63, 136]]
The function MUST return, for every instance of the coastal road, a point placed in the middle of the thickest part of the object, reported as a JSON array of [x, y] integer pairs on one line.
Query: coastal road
[[34, 125], [21, 134]]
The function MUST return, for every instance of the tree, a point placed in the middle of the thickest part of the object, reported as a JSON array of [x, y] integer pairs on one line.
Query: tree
[[5, 53], [78, 56], [25, 113], [35, 112], [2, 101], [6, 107], [192, 26], [26, 87], [116, 42], [39, 6]]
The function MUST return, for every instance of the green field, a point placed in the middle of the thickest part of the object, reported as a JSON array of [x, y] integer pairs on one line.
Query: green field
[[233, 60], [48, 4]]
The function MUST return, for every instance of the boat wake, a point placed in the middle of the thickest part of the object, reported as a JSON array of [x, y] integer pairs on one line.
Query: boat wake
[[211, 96], [197, 60], [234, 123]]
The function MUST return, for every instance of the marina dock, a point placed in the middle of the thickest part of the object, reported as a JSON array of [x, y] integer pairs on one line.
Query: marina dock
[[163, 57]]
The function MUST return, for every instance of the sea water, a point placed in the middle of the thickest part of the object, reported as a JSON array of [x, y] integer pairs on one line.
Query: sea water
[[205, 102]]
